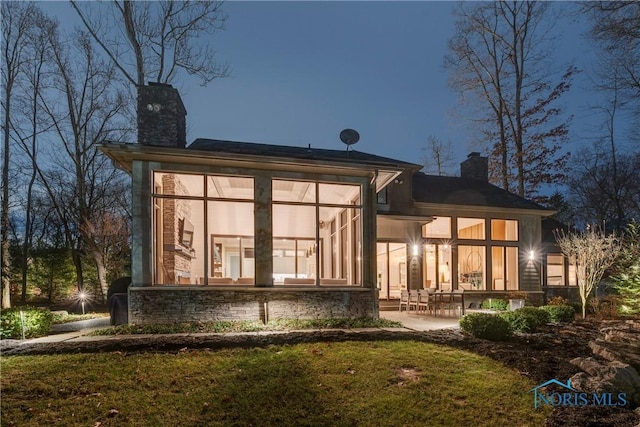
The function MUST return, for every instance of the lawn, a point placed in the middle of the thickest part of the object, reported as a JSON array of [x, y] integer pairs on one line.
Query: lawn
[[320, 384]]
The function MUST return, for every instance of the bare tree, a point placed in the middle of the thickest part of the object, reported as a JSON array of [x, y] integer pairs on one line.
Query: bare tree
[[438, 156], [16, 20], [497, 60], [27, 124], [87, 107], [592, 252], [602, 189], [616, 30], [156, 40]]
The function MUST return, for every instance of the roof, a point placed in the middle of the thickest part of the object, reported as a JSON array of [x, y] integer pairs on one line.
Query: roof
[[302, 153], [467, 192]]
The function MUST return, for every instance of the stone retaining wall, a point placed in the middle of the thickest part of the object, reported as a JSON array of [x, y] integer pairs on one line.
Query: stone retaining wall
[[170, 304]]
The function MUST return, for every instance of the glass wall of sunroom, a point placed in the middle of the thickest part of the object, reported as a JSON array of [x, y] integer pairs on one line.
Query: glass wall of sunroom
[[203, 231]]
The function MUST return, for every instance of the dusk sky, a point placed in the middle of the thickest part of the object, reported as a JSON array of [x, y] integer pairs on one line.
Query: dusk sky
[[303, 71]]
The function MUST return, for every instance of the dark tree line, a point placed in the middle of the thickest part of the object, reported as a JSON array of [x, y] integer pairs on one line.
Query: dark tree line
[[512, 94], [65, 208]]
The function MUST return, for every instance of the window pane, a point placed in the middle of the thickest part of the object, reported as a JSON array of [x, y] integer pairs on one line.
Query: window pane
[[294, 221], [505, 268], [231, 250], [512, 269], [339, 194], [555, 270], [230, 218], [356, 246], [230, 187], [471, 228], [294, 233], [232, 259], [382, 196], [293, 191], [440, 227], [503, 229], [177, 184], [397, 269], [437, 266], [471, 267], [178, 241], [573, 278], [383, 274]]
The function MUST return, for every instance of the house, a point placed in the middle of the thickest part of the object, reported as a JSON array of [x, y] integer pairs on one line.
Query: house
[[231, 230]]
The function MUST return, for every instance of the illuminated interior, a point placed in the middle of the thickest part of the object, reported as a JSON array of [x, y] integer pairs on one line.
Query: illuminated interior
[[204, 231]]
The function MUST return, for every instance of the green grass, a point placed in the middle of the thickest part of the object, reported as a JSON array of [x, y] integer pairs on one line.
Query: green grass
[[320, 384], [247, 326]]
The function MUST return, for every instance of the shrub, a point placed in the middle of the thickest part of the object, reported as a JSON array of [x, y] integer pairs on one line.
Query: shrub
[[559, 313], [486, 326], [558, 301], [526, 319], [604, 307], [495, 304], [37, 322]]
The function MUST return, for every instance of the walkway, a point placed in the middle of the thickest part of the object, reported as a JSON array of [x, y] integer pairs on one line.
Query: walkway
[[73, 337]]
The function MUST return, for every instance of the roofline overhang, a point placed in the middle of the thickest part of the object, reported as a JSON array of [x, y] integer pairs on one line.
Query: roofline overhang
[[123, 155], [486, 209], [401, 217]]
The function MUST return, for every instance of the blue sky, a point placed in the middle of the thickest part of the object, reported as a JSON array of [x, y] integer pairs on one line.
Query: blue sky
[[303, 71]]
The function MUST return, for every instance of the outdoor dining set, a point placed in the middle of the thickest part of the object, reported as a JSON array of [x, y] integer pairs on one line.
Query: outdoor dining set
[[432, 301]]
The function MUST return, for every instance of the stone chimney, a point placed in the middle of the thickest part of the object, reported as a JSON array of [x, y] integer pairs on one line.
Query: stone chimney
[[162, 118], [475, 167]]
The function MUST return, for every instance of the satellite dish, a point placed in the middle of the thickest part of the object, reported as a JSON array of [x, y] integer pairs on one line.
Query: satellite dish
[[349, 137]]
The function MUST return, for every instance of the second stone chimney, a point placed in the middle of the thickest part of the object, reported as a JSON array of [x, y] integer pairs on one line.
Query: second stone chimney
[[475, 167], [162, 118]]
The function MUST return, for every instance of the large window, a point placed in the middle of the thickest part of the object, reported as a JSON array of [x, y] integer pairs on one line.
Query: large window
[[505, 268], [471, 267], [555, 270], [504, 229], [437, 266], [439, 228], [471, 228], [203, 229], [392, 269], [316, 233]]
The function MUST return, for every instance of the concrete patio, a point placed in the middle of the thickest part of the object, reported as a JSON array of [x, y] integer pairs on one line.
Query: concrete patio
[[420, 322]]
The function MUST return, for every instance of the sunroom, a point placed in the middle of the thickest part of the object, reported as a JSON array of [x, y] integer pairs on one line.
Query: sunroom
[[229, 230]]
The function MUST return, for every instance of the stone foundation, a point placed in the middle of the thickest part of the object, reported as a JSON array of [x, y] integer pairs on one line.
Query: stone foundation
[[170, 304]]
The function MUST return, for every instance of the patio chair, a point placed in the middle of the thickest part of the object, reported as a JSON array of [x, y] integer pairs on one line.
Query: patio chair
[[426, 299], [404, 300], [414, 298], [457, 300]]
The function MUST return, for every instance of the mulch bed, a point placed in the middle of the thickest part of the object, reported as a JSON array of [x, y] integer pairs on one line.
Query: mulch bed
[[540, 357]]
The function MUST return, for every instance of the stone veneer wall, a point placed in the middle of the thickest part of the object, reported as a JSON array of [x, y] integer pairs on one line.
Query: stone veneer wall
[[165, 304], [175, 262]]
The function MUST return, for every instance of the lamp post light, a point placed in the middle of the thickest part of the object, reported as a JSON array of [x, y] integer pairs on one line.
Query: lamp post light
[[83, 298]]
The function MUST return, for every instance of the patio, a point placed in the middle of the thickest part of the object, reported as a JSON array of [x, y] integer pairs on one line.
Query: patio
[[419, 321]]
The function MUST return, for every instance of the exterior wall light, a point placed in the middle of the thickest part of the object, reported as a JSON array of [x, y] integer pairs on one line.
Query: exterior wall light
[[532, 255], [416, 250]]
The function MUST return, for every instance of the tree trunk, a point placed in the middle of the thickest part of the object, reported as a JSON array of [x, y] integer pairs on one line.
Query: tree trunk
[[77, 263], [4, 222], [102, 274]]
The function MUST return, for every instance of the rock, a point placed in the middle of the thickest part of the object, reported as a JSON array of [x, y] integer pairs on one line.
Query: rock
[[584, 382], [621, 351], [609, 377]]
